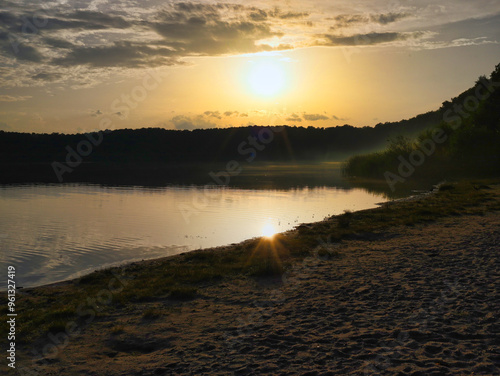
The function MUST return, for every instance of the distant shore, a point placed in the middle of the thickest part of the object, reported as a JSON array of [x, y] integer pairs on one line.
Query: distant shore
[[405, 288]]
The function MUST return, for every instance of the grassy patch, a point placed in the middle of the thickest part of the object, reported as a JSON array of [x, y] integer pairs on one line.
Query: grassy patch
[[152, 313], [117, 330], [183, 293], [446, 187], [344, 220], [328, 254]]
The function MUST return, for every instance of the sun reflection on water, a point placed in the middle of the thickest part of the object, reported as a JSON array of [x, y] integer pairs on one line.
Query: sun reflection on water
[[268, 230]]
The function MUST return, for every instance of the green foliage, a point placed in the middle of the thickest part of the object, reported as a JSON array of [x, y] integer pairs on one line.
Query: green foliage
[[400, 145]]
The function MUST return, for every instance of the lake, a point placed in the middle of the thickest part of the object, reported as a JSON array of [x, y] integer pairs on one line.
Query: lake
[[56, 232]]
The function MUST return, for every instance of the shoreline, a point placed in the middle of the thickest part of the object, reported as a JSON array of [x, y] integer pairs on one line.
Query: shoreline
[[121, 264], [142, 324], [142, 248]]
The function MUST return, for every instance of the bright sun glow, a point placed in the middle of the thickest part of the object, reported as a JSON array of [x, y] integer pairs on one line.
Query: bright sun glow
[[268, 231], [267, 79]]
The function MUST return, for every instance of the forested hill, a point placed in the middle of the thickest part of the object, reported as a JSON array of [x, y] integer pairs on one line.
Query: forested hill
[[466, 143], [161, 146]]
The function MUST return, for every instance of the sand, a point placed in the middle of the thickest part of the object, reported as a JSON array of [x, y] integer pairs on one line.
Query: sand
[[420, 300]]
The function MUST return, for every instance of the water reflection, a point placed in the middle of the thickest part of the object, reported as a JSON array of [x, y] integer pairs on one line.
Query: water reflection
[[268, 231], [53, 232]]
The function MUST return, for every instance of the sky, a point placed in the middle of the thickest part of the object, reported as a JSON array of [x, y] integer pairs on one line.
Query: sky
[[73, 66]]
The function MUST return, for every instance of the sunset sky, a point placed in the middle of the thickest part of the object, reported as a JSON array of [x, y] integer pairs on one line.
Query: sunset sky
[[74, 66]]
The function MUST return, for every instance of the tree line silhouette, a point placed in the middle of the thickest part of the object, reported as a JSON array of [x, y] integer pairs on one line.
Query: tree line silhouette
[[30, 156]]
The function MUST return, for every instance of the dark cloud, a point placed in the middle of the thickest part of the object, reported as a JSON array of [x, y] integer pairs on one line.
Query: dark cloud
[[210, 34], [36, 21], [346, 20], [46, 76], [19, 50], [186, 29], [214, 114], [231, 113], [259, 15], [243, 115], [8, 18], [315, 117], [123, 54], [294, 117], [368, 39], [290, 15], [58, 43], [102, 19], [386, 18], [18, 30]]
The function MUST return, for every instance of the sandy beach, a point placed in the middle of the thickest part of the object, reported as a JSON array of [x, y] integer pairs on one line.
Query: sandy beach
[[409, 300]]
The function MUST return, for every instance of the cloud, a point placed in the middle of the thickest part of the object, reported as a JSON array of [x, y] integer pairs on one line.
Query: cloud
[[386, 18], [10, 98], [46, 76], [243, 115], [214, 114], [294, 117], [58, 43], [60, 37], [461, 42], [290, 15], [96, 113], [101, 19], [124, 54], [369, 39], [201, 29], [21, 51], [165, 38], [231, 113], [347, 20], [258, 15], [183, 122], [315, 117]]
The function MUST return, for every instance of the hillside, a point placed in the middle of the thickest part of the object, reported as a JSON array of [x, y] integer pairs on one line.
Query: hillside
[[465, 143]]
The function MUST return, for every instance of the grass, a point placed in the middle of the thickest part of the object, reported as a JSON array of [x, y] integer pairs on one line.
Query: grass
[[177, 279], [183, 292], [118, 329], [344, 220], [152, 313]]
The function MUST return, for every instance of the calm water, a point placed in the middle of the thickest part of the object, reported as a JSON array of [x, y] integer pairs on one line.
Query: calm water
[[55, 232]]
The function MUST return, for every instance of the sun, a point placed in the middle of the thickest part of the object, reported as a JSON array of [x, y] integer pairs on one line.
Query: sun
[[267, 78], [268, 231]]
